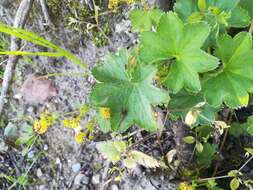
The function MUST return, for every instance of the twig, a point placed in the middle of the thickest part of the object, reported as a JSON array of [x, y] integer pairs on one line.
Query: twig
[[45, 12], [3, 61], [19, 22], [226, 176], [223, 142], [240, 169]]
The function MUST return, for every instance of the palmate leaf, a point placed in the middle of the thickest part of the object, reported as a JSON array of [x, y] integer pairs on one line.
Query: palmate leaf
[[232, 83], [128, 95], [182, 43], [205, 157], [143, 20], [226, 12]]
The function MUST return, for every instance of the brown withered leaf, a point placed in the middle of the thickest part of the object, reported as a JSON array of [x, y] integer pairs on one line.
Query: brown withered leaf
[[37, 89]]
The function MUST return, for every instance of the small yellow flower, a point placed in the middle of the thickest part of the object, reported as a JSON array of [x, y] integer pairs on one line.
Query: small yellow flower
[[184, 186], [113, 5], [72, 122], [129, 2], [45, 121], [79, 137], [105, 112]]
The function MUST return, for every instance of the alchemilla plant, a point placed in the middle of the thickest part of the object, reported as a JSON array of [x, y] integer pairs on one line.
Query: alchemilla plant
[[172, 57], [194, 62], [193, 54]]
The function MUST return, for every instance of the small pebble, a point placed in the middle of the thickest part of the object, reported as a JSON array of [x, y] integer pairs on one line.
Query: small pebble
[[58, 161], [39, 173], [3, 146], [30, 110], [30, 154], [95, 179], [85, 180], [76, 167], [114, 187], [78, 179], [45, 148], [17, 96]]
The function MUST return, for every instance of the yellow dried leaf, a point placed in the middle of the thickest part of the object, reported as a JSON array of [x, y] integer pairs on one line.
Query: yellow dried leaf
[[170, 155], [191, 117]]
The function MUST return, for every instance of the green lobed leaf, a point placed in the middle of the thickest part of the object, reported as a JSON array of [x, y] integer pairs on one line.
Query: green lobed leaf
[[239, 18], [104, 124], [232, 83], [247, 5], [182, 102], [182, 43], [219, 14], [238, 129], [112, 150], [205, 157], [223, 5], [129, 95], [185, 8], [143, 20]]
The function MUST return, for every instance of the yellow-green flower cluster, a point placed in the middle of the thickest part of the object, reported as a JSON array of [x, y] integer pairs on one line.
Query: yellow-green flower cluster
[[81, 133], [184, 186], [41, 125], [113, 4]]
